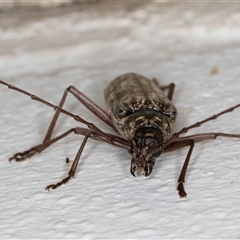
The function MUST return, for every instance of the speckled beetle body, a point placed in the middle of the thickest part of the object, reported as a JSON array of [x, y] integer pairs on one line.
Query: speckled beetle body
[[143, 114], [140, 111]]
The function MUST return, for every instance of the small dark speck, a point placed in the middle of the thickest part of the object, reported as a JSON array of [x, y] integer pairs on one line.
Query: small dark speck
[[213, 71]]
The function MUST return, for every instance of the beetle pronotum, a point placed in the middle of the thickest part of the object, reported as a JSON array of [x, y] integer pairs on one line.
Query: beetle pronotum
[[140, 112]]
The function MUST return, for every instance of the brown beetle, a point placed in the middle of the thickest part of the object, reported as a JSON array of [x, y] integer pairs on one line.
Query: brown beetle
[[140, 112]]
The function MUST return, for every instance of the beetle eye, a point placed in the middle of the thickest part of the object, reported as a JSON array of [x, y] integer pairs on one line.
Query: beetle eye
[[157, 154], [124, 112], [171, 115]]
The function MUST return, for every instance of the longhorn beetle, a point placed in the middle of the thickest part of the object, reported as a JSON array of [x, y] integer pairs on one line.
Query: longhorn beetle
[[140, 112]]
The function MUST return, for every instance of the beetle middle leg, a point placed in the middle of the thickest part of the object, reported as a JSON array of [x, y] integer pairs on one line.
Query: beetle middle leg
[[198, 124], [100, 136]]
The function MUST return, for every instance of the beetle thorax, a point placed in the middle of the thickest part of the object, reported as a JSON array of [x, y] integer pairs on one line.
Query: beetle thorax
[[146, 119]]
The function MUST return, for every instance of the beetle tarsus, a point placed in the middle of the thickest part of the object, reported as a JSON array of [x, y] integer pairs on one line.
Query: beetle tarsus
[[54, 186], [181, 191], [21, 156]]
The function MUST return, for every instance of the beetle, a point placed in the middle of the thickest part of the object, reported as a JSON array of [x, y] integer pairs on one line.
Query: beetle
[[140, 112]]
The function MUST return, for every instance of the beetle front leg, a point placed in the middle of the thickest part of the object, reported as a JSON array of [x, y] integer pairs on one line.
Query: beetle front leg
[[108, 138], [181, 179], [73, 169], [177, 145]]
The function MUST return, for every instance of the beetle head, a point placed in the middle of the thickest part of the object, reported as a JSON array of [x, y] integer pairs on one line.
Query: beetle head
[[146, 147]]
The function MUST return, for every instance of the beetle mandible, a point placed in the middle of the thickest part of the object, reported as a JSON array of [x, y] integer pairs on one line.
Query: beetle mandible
[[137, 109]]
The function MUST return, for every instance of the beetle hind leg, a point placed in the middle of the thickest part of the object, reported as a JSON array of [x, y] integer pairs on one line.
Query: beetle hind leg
[[170, 87]]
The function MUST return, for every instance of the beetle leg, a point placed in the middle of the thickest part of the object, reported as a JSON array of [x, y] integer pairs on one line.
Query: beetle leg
[[198, 124], [177, 145], [170, 87], [73, 168], [20, 156], [190, 141], [105, 137], [94, 108]]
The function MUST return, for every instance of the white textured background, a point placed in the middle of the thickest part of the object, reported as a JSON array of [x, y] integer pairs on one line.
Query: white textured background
[[88, 47]]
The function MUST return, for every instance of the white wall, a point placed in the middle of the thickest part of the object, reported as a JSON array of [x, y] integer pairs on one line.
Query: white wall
[[179, 43]]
